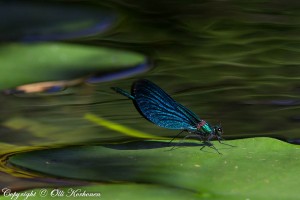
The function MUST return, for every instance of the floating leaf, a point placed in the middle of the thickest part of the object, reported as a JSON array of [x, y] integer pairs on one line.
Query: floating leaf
[[256, 169], [38, 62]]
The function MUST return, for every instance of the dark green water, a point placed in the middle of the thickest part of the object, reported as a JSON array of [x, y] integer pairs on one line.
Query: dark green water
[[234, 62]]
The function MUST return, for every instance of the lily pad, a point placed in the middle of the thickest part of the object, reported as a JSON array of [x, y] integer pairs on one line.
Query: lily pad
[[258, 168], [38, 62]]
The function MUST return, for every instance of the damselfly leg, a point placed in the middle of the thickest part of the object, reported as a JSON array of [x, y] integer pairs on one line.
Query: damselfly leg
[[222, 139], [210, 145]]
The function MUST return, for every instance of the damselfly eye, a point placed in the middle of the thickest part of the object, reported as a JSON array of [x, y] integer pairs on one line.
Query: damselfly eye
[[219, 131]]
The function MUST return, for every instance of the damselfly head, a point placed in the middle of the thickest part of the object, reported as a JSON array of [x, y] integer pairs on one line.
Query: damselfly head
[[218, 130]]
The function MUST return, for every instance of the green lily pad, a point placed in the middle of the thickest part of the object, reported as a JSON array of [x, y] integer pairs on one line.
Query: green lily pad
[[38, 62], [258, 168]]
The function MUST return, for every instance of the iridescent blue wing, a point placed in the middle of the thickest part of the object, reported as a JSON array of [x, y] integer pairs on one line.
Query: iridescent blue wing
[[159, 108]]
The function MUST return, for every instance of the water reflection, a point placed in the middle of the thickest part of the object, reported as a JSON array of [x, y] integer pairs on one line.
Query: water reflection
[[31, 22]]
